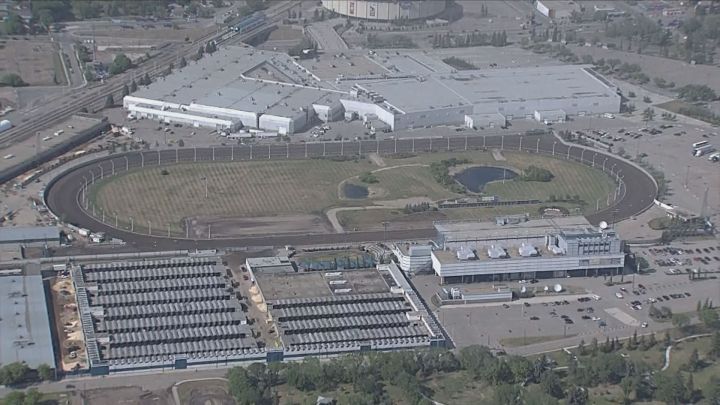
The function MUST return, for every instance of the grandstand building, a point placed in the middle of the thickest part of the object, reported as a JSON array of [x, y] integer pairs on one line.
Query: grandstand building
[[516, 248]]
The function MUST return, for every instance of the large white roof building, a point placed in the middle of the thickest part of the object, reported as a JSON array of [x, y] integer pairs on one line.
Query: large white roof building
[[243, 87]]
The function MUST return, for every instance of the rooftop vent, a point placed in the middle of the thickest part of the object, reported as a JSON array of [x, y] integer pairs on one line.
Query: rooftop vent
[[526, 250], [496, 252]]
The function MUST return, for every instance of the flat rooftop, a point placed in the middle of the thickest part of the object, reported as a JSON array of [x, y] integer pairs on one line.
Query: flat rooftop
[[479, 230], [450, 256], [216, 80], [19, 234], [154, 310], [311, 284], [485, 88], [24, 323]]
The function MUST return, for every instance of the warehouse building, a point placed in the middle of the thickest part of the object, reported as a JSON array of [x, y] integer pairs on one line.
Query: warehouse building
[[24, 322], [30, 236], [483, 98], [237, 88], [234, 88], [514, 248], [386, 10], [345, 311], [160, 313], [557, 9]]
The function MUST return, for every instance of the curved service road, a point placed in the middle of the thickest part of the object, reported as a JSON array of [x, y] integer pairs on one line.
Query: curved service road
[[63, 195]]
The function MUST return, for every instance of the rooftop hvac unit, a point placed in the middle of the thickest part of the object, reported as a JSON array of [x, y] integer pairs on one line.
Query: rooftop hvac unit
[[465, 253], [455, 293], [496, 252], [526, 250], [556, 250]]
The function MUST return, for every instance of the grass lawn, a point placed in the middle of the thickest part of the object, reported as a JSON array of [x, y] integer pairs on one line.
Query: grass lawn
[[287, 187], [458, 389], [58, 69], [530, 340]]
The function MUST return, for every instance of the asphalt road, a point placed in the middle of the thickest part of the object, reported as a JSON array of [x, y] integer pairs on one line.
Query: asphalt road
[[64, 194]]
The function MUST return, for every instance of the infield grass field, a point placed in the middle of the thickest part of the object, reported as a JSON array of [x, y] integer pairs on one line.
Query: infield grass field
[[291, 187]]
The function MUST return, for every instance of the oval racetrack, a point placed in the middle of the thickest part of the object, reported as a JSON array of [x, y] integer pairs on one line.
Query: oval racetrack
[[637, 190]]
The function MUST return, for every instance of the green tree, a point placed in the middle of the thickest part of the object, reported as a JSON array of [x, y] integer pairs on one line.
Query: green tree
[[670, 388], [200, 52], [13, 373], [12, 80], [120, 64], [14, 398], [133, 86], [627, 385], [715, 345], [694, 361], [710, 318], [648, 114], [32, 397], [696, 92], [146, 80], [550, 384], [711, 392], [125, 90], [45, 372], [475, 359], [182, 62], [509, 394], [680, 320], [13, 25], [109, 101], [577, 396]]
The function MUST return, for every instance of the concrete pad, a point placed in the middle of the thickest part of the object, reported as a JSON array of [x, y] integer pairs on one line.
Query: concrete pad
[[622, 316]]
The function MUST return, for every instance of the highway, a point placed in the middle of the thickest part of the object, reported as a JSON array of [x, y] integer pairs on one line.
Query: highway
[[93, 98], [64, 197]]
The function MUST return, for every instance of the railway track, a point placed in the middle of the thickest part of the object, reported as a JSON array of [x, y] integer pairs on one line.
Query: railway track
[[94, 99]]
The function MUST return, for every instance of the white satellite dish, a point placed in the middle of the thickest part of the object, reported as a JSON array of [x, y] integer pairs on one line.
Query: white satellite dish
[[557, 288], [603, 225], [523, 289], [547, 288]]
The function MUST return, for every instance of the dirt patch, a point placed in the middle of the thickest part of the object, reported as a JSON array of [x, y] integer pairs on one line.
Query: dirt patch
[[221, 227], [33, 60], [127, 396], [206, 392], [377, 159], [67, 322]]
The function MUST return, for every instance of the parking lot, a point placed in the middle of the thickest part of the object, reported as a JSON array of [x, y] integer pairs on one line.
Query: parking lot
[[540, 321]]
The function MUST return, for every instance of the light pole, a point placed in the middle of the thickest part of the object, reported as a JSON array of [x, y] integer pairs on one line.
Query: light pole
[[342, 146], [593, 159], [502, 142], [132, 225], [537, 146], [568, 152], [205, 179], [116, 219], [149, 228], [142, 160], [127, 163], [582, 155], [603, 166], [520, 147], [112, 166], [553, 151]]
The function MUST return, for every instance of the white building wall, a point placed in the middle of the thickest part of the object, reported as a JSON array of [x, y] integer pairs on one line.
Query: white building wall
[[132, 100], [386, 10], [440, 116], [248, 118], [362, 109], [542, 8], [181, 117], [522, 265]]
